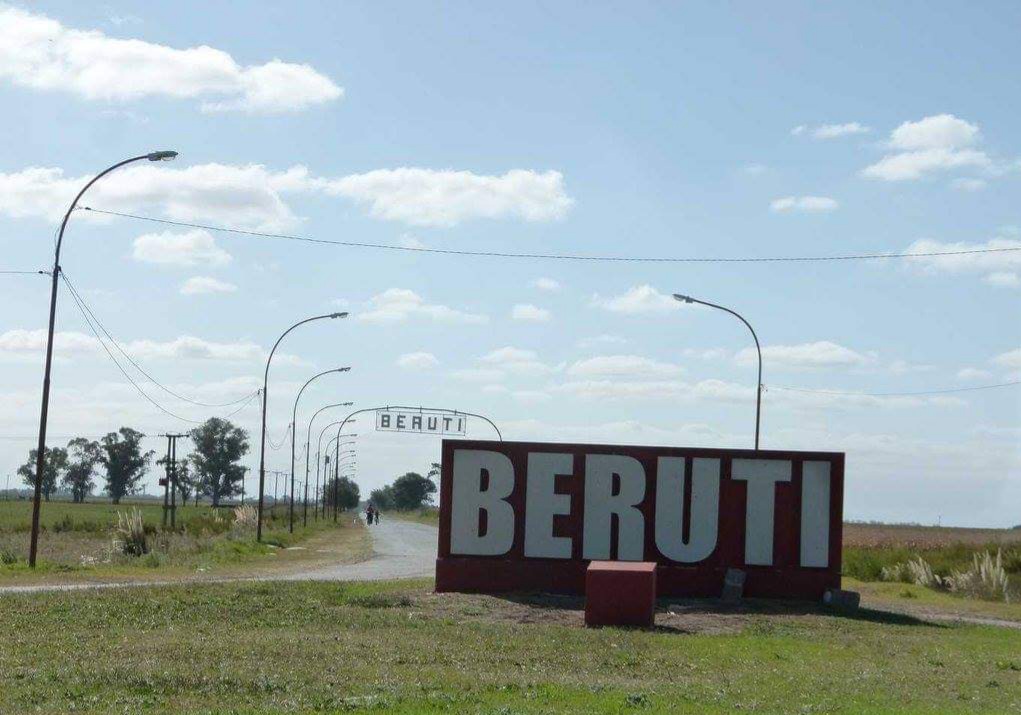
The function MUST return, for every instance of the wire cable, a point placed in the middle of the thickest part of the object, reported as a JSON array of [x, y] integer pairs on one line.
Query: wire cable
[[549, 256], [120, 367], [282, 439], [25, 273], [896, 394], [139, 367]]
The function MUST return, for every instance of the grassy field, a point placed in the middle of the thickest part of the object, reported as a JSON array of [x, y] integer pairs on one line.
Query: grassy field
[[397, 647], [426, 515], [77, 544]]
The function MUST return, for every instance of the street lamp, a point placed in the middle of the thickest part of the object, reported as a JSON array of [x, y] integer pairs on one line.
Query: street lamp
[[265, 391], [308, 444], [758, 349], [294, 435], [40, 460], [319, 451]]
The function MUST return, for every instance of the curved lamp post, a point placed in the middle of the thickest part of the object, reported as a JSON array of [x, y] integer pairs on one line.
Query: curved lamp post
[[319, 452], [294, 438], [265, 391], [758, 349], [308, 443], [40, 460]]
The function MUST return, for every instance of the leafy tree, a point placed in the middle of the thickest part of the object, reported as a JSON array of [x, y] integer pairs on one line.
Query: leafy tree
[[121, 455], [348, 493], [219, 446], [55, 464], [187, 483], [411, 491], [434, 471], [383, 498], [83, 458]]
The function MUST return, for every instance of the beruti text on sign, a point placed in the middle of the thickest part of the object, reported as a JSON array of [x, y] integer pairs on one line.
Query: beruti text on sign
[[530, 516]]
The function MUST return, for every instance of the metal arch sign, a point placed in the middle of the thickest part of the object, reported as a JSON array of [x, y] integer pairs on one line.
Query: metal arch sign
[[421, 421], [528, 516]]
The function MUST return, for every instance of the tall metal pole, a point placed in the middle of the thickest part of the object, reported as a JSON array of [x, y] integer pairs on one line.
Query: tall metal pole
[[40, 460], [294, 436], [265, 391], [308, 444], [758, 349]]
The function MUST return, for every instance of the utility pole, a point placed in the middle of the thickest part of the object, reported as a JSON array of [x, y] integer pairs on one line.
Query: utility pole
[[170, 481]]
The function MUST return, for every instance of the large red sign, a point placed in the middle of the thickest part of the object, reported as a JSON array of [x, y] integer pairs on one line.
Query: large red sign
[[520, 516]]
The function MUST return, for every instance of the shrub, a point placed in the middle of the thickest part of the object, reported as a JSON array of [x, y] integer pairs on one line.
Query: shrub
[[246, 518], [986, 579], [211, 523], [8, 557], [130, 533], [916, 571]]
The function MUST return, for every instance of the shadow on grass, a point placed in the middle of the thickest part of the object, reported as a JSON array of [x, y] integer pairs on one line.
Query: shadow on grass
[[716, 607]]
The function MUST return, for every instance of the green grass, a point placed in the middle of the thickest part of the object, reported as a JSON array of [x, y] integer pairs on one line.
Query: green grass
[[319, 647], [426, 515], [76, 541], [867, 562]]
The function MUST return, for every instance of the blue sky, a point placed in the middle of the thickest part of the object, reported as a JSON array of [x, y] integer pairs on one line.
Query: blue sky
[[631, 129]]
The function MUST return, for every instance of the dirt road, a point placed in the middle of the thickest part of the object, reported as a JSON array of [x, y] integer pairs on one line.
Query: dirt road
[[400, 549]]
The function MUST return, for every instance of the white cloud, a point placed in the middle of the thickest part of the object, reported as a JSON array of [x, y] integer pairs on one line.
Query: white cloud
[[530, 313], [903, 367], [429, 197], [715, 390], [245, 196], [916, 164], [754, 169], [526, 397], [478, 374], [185, 347], [516, 361], [936, 143], [604, 339], [942, 131], [39, 53], [204, 285], [252, 196], [821, 354], [547, 284], [999, 266], [640, 299], [397, 305], [409, 241], [1010, 359], [969, 184], [707, 353], [831, 131], [1003, 279], [417, 361], [972, 373], [628, 366], [191, 248], [803, 204]]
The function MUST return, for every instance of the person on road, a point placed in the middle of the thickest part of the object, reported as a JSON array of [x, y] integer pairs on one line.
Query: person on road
[[370, 512]]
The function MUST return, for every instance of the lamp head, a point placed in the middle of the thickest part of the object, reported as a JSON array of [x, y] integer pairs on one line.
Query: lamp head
[[162, 156], [683, 298], [338, 315]]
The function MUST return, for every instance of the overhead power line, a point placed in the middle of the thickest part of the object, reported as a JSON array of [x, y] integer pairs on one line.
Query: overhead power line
[[25, 273], [142, 370], [85, 315], [549, 256], [897, 394]]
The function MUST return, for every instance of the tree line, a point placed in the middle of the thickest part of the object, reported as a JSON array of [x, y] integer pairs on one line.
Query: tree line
[[408, 492], [212, 469]]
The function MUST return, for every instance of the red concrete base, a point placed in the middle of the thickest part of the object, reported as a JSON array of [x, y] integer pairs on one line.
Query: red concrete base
[[478, 574], [620, 593]]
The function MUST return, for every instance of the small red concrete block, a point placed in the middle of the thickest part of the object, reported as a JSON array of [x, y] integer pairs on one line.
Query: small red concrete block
[[620, 593]]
